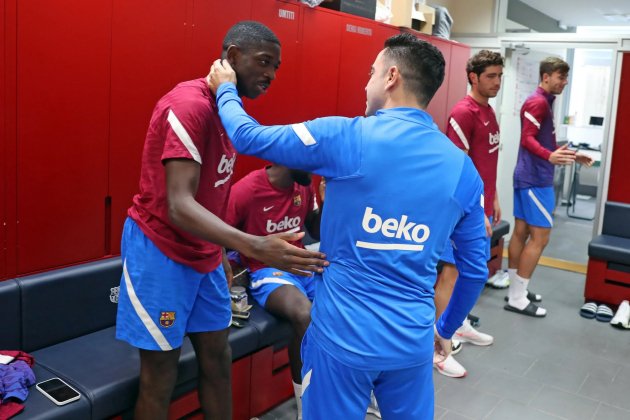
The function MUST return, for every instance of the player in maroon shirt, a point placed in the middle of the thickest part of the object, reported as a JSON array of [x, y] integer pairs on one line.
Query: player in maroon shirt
[[174, 282], [272, 200]]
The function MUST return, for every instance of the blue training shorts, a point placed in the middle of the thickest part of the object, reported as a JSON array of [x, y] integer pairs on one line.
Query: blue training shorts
[[332, 390], [535, 205], [161, 300], [266, 280], [448, 256]]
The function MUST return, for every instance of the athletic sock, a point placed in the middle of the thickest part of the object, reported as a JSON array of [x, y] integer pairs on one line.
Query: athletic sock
[[511, 274], [297, 389], [517, 293]]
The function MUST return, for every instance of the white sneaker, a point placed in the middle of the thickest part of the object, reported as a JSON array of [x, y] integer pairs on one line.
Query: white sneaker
[[450, 367], [456, 346], [622, 317], [500, 280], [373, 407], [467, 334]]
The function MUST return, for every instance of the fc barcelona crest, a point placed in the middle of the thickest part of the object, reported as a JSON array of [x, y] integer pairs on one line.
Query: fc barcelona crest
[[297, 200], [167, 319]]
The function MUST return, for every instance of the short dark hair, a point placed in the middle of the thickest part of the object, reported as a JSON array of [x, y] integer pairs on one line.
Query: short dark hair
[[248, 33], [479, 62], [551, 65], [420, 64]]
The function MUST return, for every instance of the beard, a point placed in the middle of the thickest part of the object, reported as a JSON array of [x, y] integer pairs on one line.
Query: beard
[[301, 177]]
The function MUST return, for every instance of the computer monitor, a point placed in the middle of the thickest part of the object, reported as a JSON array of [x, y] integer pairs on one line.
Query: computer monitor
[[596, 121]]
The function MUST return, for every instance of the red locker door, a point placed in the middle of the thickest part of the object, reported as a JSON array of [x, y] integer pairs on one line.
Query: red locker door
[[62, 131], [150, 55], [279, 105], [456, 77], [361, 41], [3, 155], [319, 58], [438, 107], [619, 169], [209, 31]]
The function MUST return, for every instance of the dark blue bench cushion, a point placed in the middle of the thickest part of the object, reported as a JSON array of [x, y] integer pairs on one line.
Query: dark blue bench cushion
[[106, 370], [500, 230], [616, 217], [64, 304], [272, 330], [610, 248], [38, 407], [10, 316]]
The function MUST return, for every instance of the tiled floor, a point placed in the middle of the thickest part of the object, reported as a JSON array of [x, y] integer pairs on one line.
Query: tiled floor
[[559, 367]]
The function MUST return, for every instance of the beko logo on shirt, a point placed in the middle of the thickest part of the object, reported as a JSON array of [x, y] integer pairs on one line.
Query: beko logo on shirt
[[494, 140], [225, 166], [290, 223], [394, 228]]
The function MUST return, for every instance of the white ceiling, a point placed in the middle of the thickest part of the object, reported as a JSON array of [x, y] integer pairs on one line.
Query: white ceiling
[[584, 12]]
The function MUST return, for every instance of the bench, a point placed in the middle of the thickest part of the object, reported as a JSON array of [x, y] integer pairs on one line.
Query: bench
[[496, 246], [608, 273], [66, 320]]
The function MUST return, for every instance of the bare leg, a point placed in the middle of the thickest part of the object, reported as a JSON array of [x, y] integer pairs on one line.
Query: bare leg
[[158, 372], [215, 373], [517, 242], [539, 238], [290, 303]]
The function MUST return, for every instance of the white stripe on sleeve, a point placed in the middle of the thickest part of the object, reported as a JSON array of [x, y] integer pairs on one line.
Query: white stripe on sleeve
[[532, 119], [183, 136], [302, 132], [459, 132]]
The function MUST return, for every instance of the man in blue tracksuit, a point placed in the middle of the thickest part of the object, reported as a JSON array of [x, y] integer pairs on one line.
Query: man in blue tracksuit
[[397, 190]]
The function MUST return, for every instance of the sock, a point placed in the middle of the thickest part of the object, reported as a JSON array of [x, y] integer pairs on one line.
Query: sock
[[511, 274], [517, 293], [297, 389]]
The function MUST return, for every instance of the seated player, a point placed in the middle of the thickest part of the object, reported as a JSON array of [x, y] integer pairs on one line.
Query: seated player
[[270, 200]]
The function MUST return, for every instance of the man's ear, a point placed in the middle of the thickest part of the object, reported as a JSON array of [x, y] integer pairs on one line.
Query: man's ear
[[233, 55], [474, 78], [393, 77]]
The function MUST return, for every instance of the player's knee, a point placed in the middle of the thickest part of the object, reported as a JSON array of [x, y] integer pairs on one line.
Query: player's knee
[[301, 318]]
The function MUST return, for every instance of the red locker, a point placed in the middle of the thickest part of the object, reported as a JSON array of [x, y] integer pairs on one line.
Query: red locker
[[438, 107], [456, 77], [278, 105], [62, 131], [3, 155], [150, 55], [319, 54], [619, 169], [361, 41], [209, 31]]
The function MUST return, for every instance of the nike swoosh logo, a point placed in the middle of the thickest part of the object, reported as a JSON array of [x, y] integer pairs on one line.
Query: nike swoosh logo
[[267, 208], [486, 123]]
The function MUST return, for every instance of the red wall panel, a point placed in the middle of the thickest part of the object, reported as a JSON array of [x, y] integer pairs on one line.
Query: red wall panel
[[62, 131], [361, 41], [319, 75], [208, 31], [618, 187], [3, 154], [438, 107], [456, 79], [150, 55], [278, 105]]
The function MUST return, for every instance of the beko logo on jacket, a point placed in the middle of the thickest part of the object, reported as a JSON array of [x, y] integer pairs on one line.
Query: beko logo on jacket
[[290, 224], [402, 229]]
